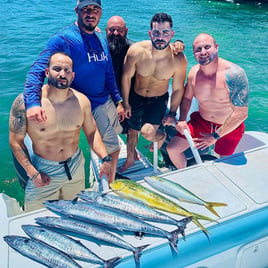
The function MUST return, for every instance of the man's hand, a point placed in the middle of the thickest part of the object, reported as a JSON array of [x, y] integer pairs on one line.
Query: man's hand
[[97, 29], [169, 120], [106, 169], [204, 142], [41, 180], [120, 111], [181, 125], [127, 111], [36, 114], [177, 47]]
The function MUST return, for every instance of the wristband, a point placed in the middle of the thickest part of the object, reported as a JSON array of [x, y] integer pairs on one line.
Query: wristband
[[35, 175], [107, 158], [172, 113], [120, 101], [215, 135]]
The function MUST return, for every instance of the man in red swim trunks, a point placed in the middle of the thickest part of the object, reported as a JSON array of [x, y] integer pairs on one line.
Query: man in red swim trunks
[[221, 88]]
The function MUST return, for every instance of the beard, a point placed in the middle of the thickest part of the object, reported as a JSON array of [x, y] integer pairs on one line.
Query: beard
[[161, 46], [58, 84], [87, 26], [207, 60], [117, 43]]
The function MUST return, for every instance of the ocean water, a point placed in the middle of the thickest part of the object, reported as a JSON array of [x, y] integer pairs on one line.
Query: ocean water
[[240, 29]]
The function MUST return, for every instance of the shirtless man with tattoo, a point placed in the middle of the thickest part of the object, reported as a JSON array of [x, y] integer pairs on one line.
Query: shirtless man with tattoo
[[153, 63], [221, 87], [56, 168]]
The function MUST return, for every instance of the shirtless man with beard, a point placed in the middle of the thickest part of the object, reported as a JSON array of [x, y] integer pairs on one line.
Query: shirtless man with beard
[[153, 63], [56, 168], [221, 88]]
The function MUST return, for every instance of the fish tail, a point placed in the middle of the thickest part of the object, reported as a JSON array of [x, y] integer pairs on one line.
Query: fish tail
[[210, 205], [173, 239], [182, 225], [111, 263], [202, 217], [137, 254], [198, 224]]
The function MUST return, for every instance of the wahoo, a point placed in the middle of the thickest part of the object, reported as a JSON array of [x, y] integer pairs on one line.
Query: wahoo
[[182, 194], [133, 190], [73, 248], [40, 252], [90, 230], [136, 208], [110, 218]]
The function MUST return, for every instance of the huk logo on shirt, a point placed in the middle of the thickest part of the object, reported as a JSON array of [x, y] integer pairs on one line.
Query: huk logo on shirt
[[97, 57]]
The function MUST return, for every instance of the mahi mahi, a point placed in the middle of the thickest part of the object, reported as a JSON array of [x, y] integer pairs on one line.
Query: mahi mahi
[[136, 208], [133, 190], [178, 191], [40, 252], [110, 218], [75, 249], [90, 230]]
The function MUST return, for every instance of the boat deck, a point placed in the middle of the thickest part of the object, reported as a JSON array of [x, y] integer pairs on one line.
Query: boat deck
[[238, 239], [137, 172]]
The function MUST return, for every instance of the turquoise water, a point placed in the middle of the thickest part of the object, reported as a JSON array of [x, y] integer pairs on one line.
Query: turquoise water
[[241, 30]]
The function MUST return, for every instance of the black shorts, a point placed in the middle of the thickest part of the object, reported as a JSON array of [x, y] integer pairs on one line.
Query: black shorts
[[146, 110]]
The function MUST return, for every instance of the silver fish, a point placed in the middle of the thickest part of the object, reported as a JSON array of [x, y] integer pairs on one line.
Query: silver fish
[[40, 252], [90, 230], [110, 218], [136, 208], [68, 245]]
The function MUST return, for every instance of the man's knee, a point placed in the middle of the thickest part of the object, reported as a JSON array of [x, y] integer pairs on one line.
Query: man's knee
[[148, 131], [178, 145]]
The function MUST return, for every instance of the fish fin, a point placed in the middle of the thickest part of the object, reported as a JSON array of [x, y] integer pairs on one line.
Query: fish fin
[[137, 254], [74, 201], [198, 224], [206, 234], [47, 202], [202, 217], [139, 235], [111, 262], [182, 224], [173, 241], [210, 205]]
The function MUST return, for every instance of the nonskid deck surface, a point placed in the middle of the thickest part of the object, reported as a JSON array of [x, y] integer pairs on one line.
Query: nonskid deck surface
[[236, 180]]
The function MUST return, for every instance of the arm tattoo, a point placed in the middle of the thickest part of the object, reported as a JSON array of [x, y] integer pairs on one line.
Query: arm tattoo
[[237, 82], [17, 118]]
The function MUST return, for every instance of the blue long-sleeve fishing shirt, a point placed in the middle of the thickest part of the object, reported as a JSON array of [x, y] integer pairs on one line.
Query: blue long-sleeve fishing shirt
[[94, 74]]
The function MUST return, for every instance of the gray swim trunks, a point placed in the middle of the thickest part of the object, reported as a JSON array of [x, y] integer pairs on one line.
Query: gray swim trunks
[[63, 185], [108, 124]]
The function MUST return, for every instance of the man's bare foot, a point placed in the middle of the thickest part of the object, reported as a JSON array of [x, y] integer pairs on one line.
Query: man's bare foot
[[125, 166]]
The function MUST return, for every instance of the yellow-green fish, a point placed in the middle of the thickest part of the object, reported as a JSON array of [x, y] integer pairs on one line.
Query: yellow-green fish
[[133, 190], [182, 194]]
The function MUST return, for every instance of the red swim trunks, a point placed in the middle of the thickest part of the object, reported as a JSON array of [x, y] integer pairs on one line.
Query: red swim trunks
[[225, 145]]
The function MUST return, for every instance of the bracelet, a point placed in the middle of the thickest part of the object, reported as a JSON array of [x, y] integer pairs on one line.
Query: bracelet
[[35, 175], [215, 135]]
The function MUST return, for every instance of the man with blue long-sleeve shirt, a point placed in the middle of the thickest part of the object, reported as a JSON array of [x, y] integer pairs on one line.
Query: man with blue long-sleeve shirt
[[94, 75]]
